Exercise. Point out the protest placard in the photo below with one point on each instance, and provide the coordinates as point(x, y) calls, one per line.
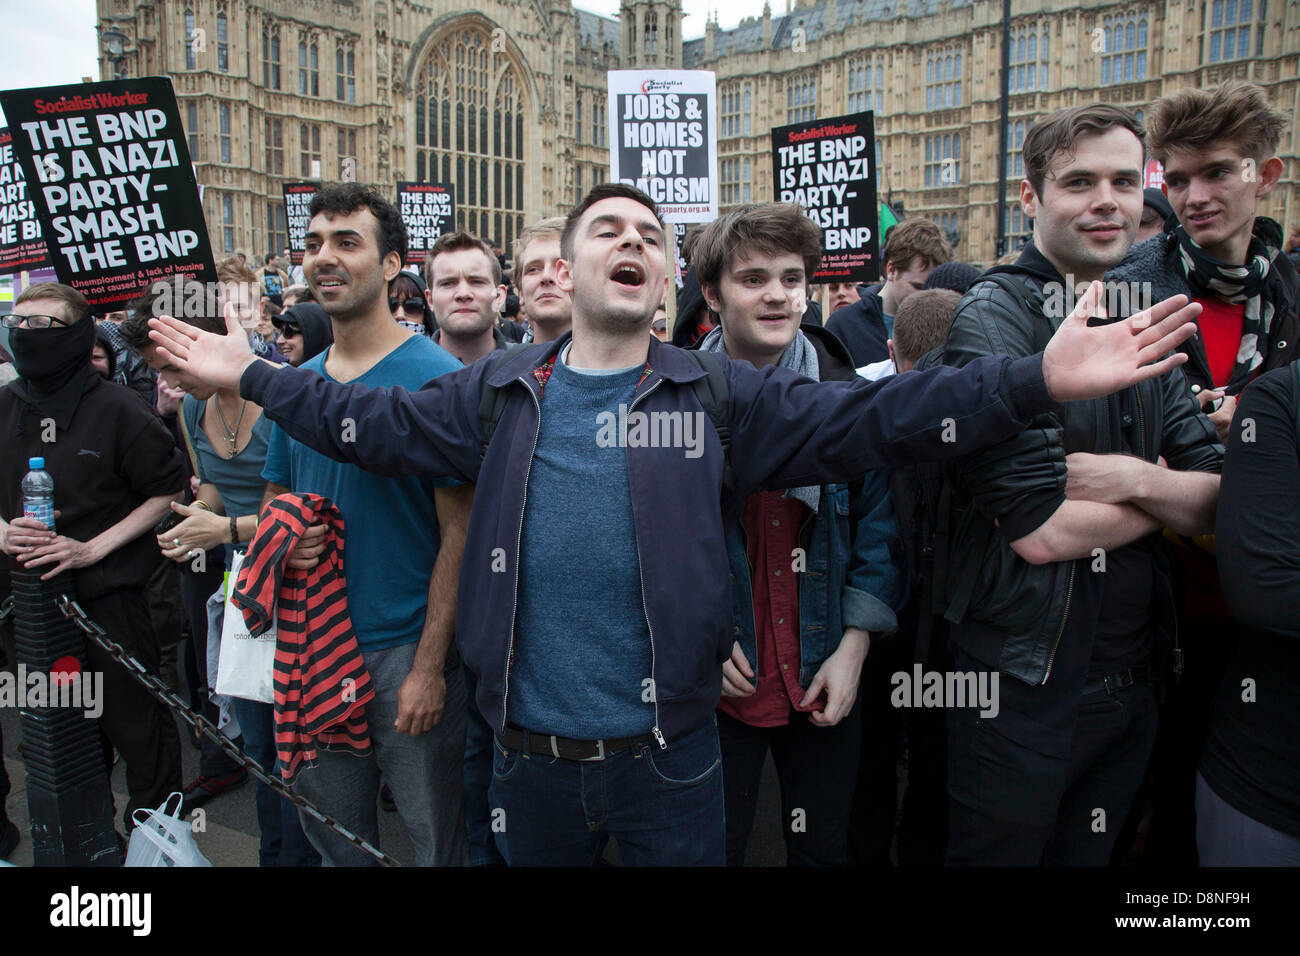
point(297, 200)
point(112, 184)
point(826, 166)
point(429, 210)
point(664, 139)
point(21, 245)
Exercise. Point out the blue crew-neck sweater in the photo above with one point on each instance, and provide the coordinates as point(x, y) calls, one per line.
point(582, 657)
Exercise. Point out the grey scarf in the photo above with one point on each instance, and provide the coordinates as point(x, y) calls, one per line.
point(801, 358)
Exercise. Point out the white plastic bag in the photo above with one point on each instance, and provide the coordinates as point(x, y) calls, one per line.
point(216, 608)
point(162, 838)
point(247, 663)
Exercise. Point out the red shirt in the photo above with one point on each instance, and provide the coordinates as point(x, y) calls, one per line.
point(772, 526)
point(1221, 324)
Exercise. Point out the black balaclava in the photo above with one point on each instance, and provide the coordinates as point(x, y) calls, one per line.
point(54, 368)
point(104, 340)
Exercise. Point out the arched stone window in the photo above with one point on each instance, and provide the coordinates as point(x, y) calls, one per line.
point(469, 117)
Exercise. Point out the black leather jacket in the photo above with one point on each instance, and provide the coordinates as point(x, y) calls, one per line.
point(1021, 482)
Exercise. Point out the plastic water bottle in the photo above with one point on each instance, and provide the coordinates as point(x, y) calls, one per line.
point(38, 493)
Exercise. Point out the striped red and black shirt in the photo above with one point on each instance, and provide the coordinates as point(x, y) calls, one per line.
point(320, 681)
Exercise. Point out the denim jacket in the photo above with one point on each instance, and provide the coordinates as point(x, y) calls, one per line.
point(850, 575)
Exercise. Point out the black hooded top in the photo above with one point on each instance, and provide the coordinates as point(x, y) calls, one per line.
point(110, 451)
point(313, 322)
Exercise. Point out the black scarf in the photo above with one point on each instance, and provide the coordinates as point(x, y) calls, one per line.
point(1247, 284)
point(54, 369)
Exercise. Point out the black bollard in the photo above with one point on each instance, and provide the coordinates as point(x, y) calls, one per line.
point(68, 795)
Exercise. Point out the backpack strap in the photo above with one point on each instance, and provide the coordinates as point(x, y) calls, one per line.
point(1012, 284)
point(715, 396)
point(1295, 370)
point(492, 403)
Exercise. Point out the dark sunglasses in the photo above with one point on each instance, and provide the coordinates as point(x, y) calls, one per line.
point(414, 304)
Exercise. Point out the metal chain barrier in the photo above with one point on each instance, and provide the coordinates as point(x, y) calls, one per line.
point(73, 611)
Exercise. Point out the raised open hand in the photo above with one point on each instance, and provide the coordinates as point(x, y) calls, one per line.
point(1083, 361)
point(217, 359)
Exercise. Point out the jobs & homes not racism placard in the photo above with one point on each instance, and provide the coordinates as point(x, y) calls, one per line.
point(664, 139)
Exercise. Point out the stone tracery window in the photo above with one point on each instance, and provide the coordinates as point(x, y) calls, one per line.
point(469, 130)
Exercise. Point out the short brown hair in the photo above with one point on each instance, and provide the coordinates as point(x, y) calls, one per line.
point(161, 296)
point(78, 307)
point(599, 193)
point(1234, 113)
point(915, 237)
point(455, 241)
point(770, 228)
point(551, 228)
point(1058, 132)
point(232, 270)
point(300, 293)
point(922, 322)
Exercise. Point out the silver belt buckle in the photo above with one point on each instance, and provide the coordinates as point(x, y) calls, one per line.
point(599, 755)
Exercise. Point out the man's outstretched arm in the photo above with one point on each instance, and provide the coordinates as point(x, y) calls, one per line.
point(434, 431)
point(789, 431)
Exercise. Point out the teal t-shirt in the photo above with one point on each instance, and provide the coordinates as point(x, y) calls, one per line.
point(391, 524)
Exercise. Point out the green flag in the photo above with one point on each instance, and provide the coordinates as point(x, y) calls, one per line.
point(887, 219)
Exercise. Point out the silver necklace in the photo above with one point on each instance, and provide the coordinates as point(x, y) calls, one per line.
point(232, 434)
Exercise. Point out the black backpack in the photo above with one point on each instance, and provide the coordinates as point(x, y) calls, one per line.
point(711, 391)
point(944, 537)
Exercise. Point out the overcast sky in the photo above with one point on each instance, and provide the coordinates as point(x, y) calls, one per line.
point(53, 41)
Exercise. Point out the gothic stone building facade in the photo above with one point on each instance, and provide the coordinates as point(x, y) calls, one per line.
point(507, 99)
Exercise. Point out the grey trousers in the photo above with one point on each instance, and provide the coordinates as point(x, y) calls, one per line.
point(1227, 837)
point(424, 773)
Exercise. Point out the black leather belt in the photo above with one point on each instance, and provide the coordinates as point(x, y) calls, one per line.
point(1137, 674)
point(548, 745)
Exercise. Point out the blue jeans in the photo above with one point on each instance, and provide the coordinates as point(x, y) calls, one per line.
point(665, 807)
point(478, 778)
point(283, 841)
point(424, 773)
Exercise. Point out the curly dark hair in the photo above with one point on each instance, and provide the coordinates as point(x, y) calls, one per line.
point(345, 198)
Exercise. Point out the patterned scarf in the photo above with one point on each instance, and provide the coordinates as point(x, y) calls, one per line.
point(799, 357)
point(1238, 284)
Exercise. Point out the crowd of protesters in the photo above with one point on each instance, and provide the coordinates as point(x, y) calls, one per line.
point(594, 578)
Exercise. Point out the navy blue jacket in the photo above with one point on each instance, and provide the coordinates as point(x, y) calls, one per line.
point(861, 327)
point(786, 430)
